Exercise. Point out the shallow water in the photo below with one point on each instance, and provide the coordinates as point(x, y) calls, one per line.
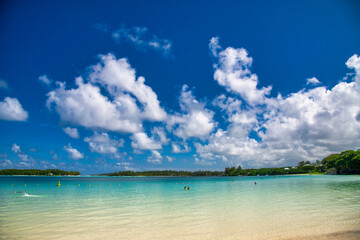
point(159, 207)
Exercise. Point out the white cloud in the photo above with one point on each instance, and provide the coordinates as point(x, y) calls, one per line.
point(117, 76)
point(177, 148)
point(25, 164)
point(159, 135)
point(155, 157)
point(354, 63)
point(127, 166)
point(312, 81)
point(232, 71)
point(103, 144)
point(23, 156)
point(113, 100)
point(196, 121)
point(86, 106)
point(45, 79)
point(202, 162)
point(307, 125)
point(139, 37)
point(141, 141)
point(15, 148)
point(11, 110)
point(5, 163)
point(4, 85)
point(72, 132)
point(73, 153)
point(170, 159)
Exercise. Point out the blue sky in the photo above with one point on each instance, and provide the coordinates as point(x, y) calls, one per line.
point(103, 86)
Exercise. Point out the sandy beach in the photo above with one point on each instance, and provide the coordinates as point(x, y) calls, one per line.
point(350, 235)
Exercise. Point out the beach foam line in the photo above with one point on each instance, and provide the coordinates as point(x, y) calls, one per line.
point(28, 195)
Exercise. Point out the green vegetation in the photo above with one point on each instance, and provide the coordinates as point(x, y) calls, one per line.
point(47, 172)
point(314, 168)
point(167, 173)
point(347, 162)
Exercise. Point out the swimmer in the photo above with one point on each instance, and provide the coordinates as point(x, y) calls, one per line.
point(255, 183)
point(185, 188)
point(188, 188)
point(19, 192)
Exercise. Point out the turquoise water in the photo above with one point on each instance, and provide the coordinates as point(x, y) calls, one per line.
point(159, 207)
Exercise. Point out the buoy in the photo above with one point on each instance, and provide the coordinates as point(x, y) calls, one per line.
point(25, 184)
point(119, 184)
point(233, 180)
point(58, 184)
point(12, 184)
point(110, 184)
point(89, 185)
point(38, 184)
point(79, 184)
point(100, 184)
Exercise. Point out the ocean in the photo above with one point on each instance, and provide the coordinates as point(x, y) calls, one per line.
point(89, 207)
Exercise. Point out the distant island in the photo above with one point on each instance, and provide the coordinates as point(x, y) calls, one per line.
point(347, 162)
point(38, 172)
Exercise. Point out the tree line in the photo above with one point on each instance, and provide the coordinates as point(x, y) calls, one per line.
point(167, 173)
point(47, 172)
point(347, 162)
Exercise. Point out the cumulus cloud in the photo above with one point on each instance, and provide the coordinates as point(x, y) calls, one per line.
point(11, 110)
point(141, 141)
point(195, 121)
point(232, 71)
point(312, 81)
point(112, 100)
point(306, 125)
point(73, 153)
point(155, 157)
point(127, 166)
point(177, 148)
point(25, 164)
point(354, 63)
point(72, 132)
point(140, 38)
point(86, 106)
point(5, 163)
point(118, 77)
point(159, 135)
point(15, 148)
point(45, 79)
point(103, 144)
point(23, 156)
point(203, 162)
point(170, 159)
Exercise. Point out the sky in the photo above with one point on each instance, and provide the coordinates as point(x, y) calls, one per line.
point(105, 86)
